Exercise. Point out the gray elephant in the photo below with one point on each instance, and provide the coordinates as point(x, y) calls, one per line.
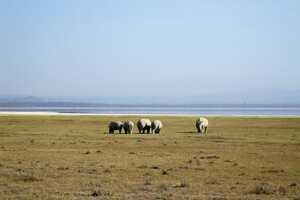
point(156, 126)
point(201, 125)
point(115, 125)
point(128, 127)
point(144, 124)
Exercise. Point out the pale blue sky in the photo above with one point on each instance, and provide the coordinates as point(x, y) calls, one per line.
point(169, 51)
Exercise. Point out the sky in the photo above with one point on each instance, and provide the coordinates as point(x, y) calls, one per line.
point(166, 51)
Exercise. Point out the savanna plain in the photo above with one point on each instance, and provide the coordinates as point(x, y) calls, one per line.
point(73, 157)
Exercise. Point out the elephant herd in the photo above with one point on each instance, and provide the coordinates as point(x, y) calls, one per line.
point(142, 125)
point(146, 125)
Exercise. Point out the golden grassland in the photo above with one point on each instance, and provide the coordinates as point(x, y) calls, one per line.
point(69, 157)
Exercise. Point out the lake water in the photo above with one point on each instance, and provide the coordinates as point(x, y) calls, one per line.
point(172, 110)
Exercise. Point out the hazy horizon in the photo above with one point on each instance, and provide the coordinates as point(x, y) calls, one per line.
point(19, 100)
point(152, 52)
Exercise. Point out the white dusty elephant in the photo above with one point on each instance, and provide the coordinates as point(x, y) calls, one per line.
point(144, 125)
point(156, 126)
point(201, 125)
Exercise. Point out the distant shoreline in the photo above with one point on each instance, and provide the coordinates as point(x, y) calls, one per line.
point(13, 113)
point(140, 110)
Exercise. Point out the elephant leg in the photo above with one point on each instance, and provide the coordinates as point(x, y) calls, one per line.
point(112, 131)
point(203, 129)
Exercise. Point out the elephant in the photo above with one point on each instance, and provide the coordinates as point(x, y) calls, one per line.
point(128, 127)
point(115, 125)
point(144, 124)
point(156, 126)
point(201, 125)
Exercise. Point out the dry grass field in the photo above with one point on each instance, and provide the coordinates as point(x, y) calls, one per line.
point(68, 157)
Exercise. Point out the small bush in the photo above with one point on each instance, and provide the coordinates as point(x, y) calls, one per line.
point(164, 172)
point(262, 189)
point(163, 187)
point(181, 184)
point(155, 167)
point(282, 190)
point(293, 184)
point(147, 182)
